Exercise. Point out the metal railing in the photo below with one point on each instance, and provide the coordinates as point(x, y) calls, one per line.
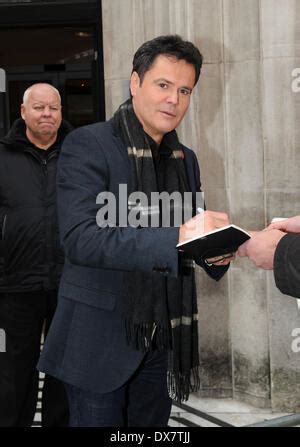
point(291, 420)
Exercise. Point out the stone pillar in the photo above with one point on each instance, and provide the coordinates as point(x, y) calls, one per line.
point(243, 125)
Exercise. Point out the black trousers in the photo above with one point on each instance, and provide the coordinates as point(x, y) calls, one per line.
point(143, 401)
point(23, 316)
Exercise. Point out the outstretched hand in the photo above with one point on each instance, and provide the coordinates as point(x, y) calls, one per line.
point(291, 225)
point(261, 247)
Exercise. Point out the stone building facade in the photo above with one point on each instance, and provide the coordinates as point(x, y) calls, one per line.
point(243, 125)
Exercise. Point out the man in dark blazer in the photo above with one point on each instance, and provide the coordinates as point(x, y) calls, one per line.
point(124, 337)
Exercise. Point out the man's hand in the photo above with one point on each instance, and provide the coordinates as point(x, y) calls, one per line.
point(221, 260)
point(261, 247)
point(291, 225)
point(203, 223)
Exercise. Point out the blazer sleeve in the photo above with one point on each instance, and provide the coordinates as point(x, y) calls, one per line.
point(287, 265)
point(83, 173)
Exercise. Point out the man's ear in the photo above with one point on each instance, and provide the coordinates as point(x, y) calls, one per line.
point(134, 83)
point(22, 109)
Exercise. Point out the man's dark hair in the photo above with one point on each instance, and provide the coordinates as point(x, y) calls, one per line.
point(170, 45)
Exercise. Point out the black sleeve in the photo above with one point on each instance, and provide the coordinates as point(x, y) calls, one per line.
point(287, 265)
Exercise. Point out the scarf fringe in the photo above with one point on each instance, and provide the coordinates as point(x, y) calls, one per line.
point(180, 386)
point(144, 337)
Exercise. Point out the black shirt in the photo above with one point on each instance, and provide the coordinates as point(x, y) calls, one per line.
point(160, 155)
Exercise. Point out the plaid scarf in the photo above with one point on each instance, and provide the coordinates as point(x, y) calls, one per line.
point(160, 312)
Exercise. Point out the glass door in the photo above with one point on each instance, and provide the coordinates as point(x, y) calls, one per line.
point(74, 85)
point(66, 57)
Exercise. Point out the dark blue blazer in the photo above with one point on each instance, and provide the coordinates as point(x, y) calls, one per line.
point(86, 345)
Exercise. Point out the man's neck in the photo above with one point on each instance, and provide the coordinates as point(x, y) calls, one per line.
point(157, 137)
point(42, 142)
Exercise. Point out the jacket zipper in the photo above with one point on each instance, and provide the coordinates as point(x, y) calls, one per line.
point(47, 253)
point(3, 228)
point(43, 161)
point(44, 164)
point(46, 160)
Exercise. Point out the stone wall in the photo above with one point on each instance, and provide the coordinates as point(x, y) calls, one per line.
point(243, 124)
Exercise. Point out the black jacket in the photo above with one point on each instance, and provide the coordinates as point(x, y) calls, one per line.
point(30, 255)
point(287, 265)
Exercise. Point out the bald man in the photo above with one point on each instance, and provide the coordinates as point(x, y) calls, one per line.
point(30, 256)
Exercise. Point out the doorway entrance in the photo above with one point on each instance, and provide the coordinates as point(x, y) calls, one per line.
point(67, 55)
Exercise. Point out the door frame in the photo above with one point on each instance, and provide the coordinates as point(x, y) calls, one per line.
point(39, 15)
point(56, 78)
